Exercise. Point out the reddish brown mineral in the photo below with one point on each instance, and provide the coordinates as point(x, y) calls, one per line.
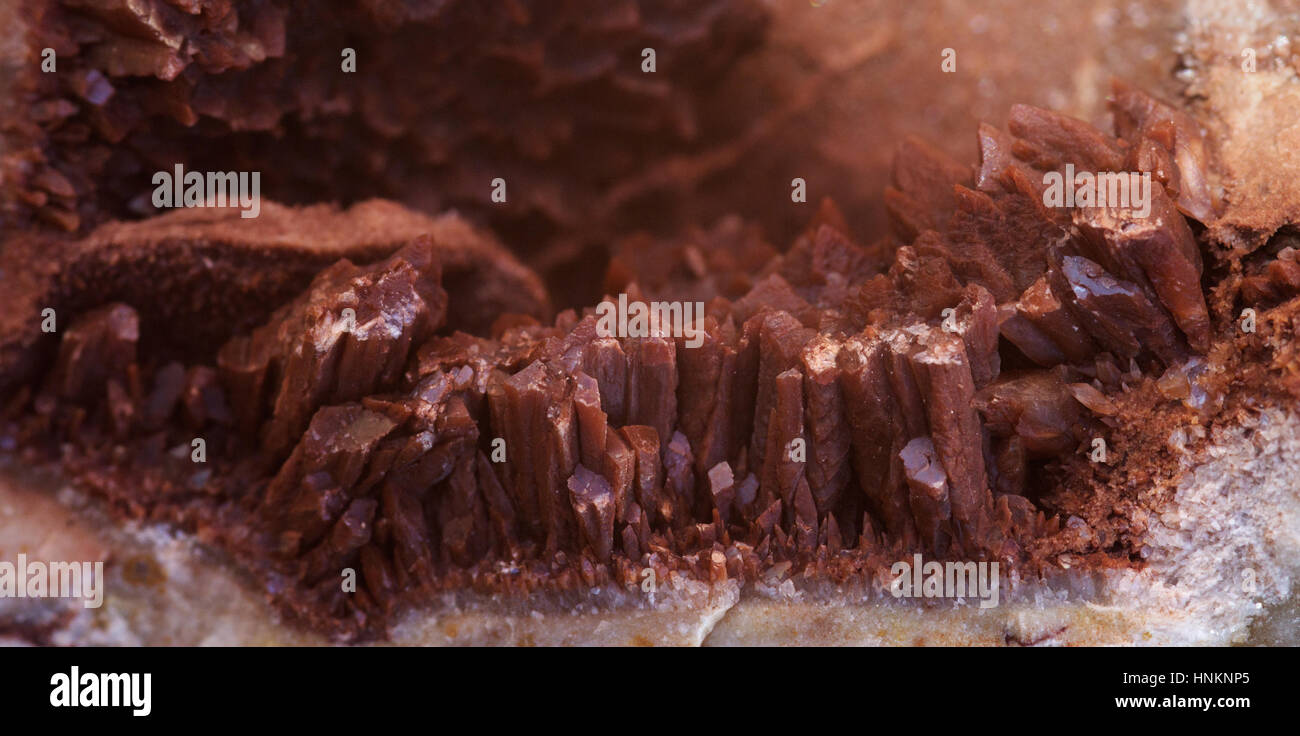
point(419, 417)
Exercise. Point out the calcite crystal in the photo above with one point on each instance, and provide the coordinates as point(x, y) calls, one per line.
point(847, 403)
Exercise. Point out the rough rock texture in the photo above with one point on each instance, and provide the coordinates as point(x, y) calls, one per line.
point(1249, 112)
point(261, 86)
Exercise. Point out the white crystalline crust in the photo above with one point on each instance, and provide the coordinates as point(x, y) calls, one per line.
point(1235, 516)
